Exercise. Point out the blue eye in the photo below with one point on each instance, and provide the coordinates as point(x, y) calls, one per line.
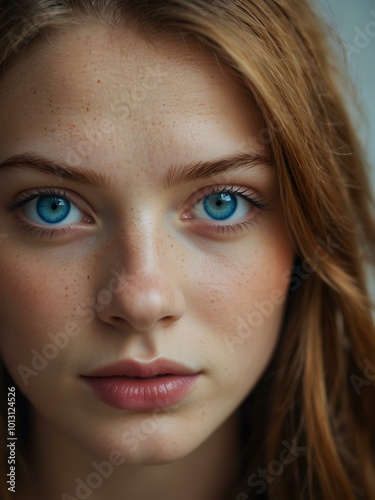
point(222, 206)
point(52, 209)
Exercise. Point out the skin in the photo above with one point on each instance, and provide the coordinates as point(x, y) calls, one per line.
point(191, 290)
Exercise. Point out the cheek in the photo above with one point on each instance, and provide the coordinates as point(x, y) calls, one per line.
point(242, 305)
point(37, 303)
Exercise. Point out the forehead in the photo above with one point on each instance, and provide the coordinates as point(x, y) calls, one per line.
point(167, 92)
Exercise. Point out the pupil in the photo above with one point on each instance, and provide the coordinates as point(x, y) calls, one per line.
point(53, 209)
point(220, 206)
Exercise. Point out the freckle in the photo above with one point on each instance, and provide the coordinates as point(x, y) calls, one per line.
point(88, 277)
point(98, 81)
point(87, 109)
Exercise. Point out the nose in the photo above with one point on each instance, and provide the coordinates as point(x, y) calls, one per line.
point(147, 288)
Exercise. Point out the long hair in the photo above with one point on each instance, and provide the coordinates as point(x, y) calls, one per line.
point(311, 416)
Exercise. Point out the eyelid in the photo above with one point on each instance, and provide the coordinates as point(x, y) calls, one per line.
point(231, 228)
point(246, 193)
point(66, 231)
point(27, 196)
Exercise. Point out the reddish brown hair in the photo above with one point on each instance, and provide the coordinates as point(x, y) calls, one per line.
point(311, 396)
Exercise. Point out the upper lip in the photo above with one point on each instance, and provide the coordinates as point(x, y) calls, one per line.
point(133, 368)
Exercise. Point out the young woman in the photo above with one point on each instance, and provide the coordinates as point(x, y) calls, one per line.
point(186, 230)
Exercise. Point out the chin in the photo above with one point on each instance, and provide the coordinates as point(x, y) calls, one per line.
point(153, 450)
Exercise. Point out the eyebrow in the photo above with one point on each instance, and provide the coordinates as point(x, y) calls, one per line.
point(176, 174)
point(205, 169)
point(44, 165)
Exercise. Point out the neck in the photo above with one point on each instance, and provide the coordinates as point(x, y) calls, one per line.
point(58, 466)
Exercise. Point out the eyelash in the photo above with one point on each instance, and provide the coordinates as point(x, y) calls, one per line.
point(27, 197)
point(260, 204)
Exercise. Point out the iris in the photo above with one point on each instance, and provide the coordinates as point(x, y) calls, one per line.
point(220, 206)
point(53, 209)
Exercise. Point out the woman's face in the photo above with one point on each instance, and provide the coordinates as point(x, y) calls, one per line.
point(125, 241)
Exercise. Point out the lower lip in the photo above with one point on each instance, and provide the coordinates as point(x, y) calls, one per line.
point(142, 394)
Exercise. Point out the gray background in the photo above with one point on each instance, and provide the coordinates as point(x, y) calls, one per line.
point(354, 22)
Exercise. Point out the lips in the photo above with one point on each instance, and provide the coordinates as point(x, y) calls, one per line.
point(131, 385)
point(134, 369)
